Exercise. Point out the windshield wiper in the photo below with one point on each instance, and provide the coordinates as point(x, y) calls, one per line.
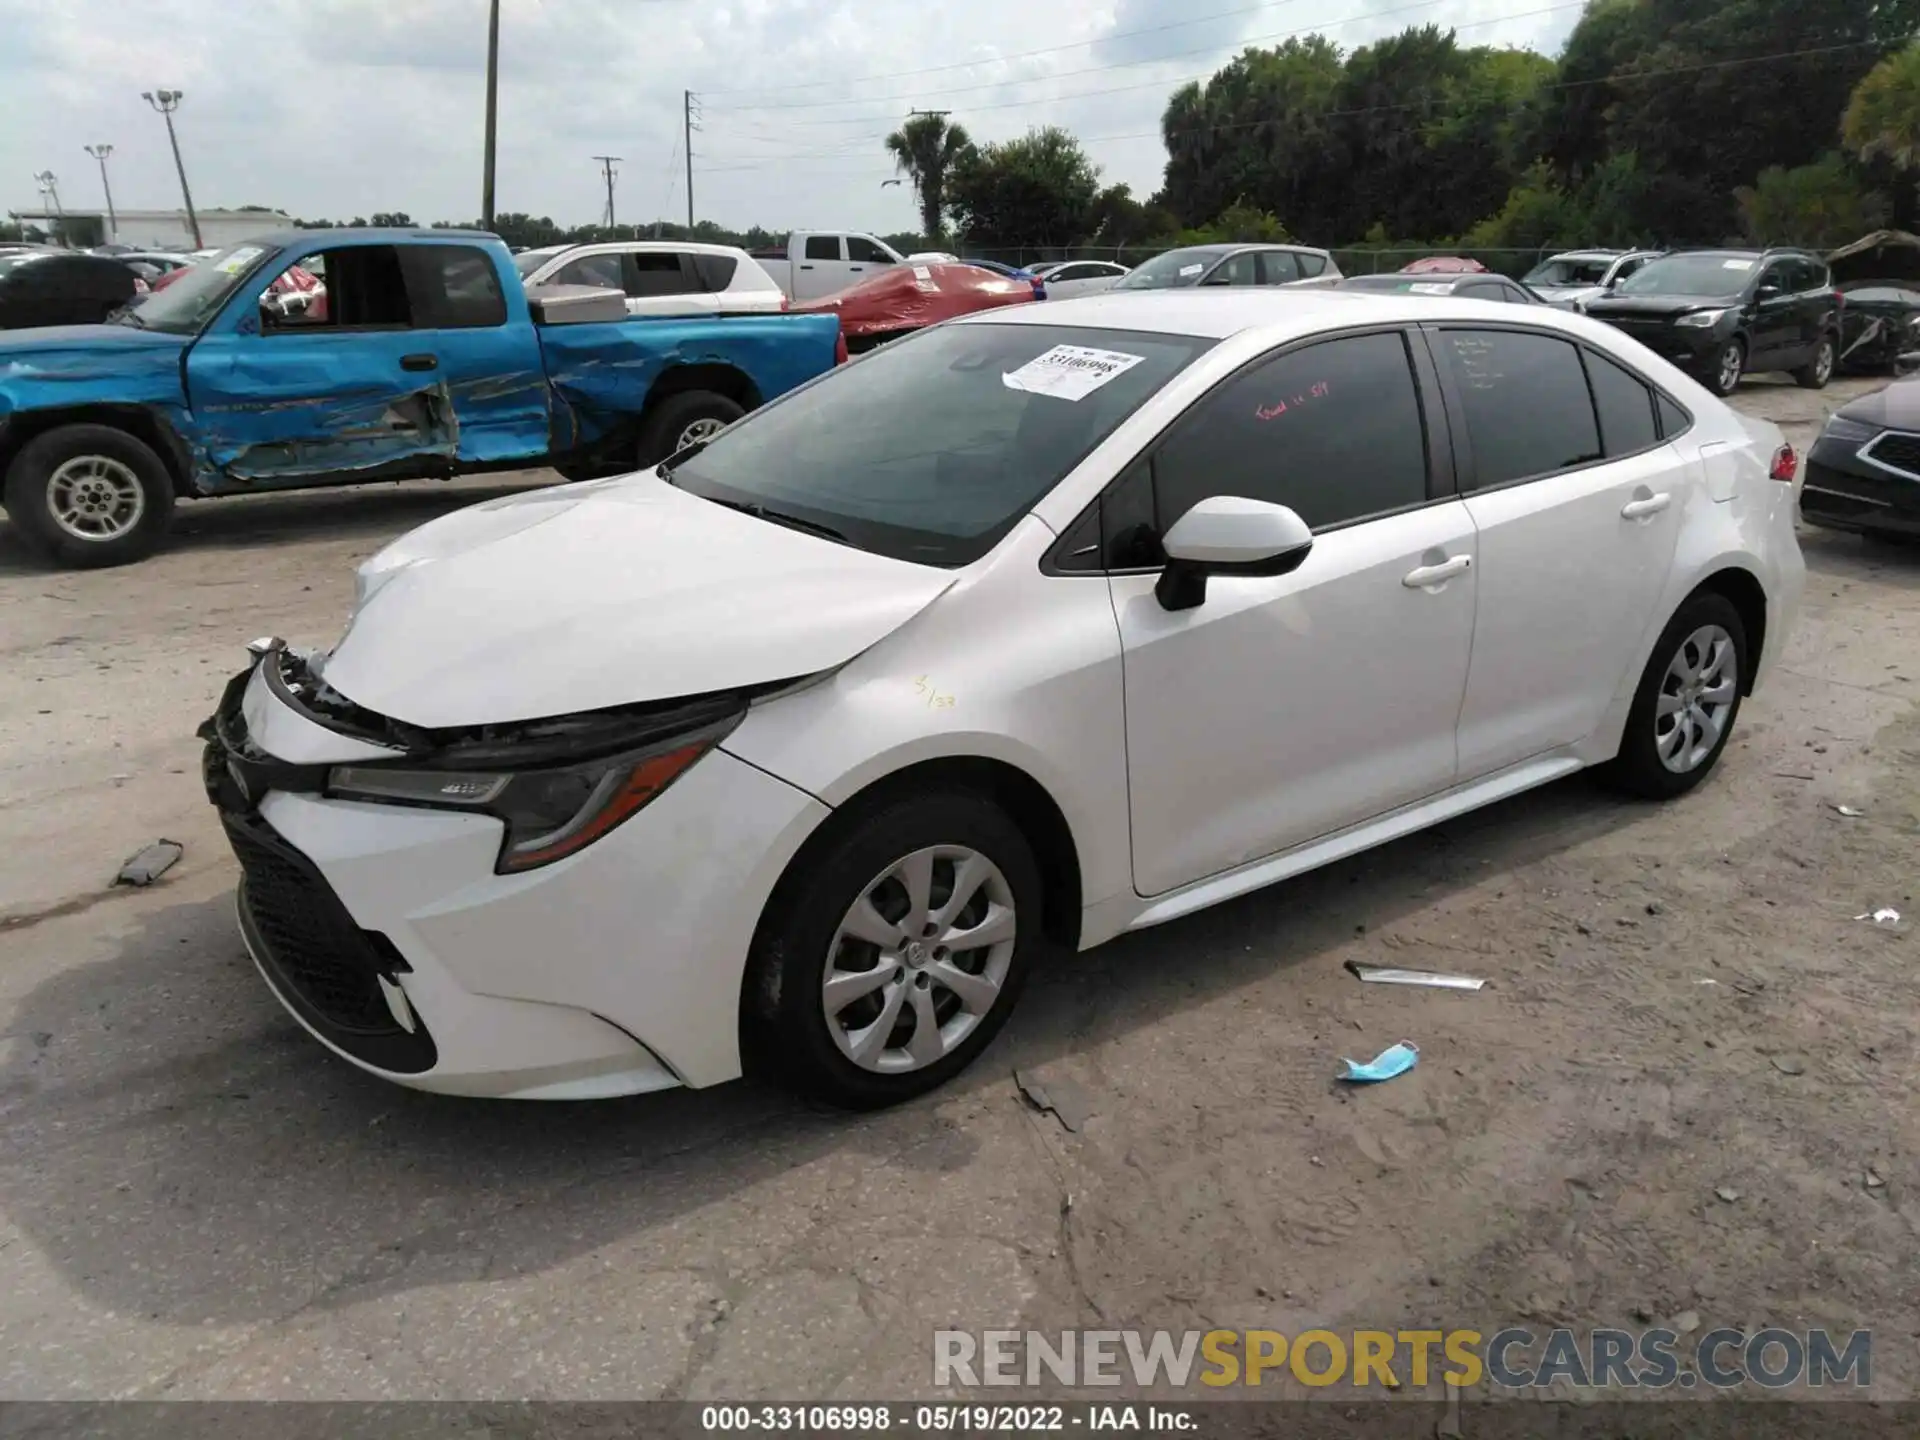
point(673, 462)
point(128, 316)
point(777, 517)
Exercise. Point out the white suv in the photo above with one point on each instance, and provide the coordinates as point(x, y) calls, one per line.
point(660, 277)
point(1034, 628)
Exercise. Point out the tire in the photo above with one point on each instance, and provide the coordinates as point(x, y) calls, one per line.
point(787, 1030)
point(1639, 767)
point(667, 429)
point(1729, 364)
point(81, 478)
point(1815, 374)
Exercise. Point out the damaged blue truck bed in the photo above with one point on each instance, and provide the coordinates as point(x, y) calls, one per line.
point(423, 357)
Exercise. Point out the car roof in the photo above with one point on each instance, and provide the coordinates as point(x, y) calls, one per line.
point(649, 247)
point(1281, 314)
point(1589, 255)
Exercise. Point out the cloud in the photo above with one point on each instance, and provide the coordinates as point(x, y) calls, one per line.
point(339, 108)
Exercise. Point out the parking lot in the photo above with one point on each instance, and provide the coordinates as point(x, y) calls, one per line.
point(1687, 1095)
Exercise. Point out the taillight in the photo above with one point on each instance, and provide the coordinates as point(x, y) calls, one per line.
point(785, 304)
point(1784, 465)
point(840, 355)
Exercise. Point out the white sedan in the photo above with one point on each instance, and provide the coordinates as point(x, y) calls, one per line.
point(1035, 628)
point(1067, 279)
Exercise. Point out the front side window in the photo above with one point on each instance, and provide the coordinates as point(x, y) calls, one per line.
point(1333, 431)
point(863, 251)
point(1241, 269)
point(601, 271)
point(365, 288)
point(933, 448)
point(1528, 410)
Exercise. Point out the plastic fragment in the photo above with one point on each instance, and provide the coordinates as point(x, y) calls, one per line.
point(1392, 1061)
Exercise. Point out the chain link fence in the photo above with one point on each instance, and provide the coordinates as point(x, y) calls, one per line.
point(1513, 262)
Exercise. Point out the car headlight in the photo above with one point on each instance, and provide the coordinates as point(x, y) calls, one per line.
point(1853, 432)
point(549, 812)
point(1700, 319)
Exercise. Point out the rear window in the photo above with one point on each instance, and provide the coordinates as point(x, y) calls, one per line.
point(823, 247)
point(933, 448)
point(1310, 265)
point(656, 272)
point(715, 271)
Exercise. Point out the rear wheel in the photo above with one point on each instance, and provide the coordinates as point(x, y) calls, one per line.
point(682, 420)
point(1815, 374)
point(1689, 695)
point(89, 495)
point(1728, 365)
point(890, 958)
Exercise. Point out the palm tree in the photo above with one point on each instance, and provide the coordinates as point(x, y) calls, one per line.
point(1883, 118)
point(924, 150)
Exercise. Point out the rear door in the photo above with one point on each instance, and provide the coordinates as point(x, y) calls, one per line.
point(665, 282)
point(1577, 503)
point(1278, 267)
point(487, 362)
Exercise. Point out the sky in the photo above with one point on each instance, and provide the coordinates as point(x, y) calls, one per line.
point(337, 108)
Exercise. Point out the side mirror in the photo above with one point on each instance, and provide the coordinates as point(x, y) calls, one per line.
point(1228, 535)
point(1907, 365)
point(1767, 292)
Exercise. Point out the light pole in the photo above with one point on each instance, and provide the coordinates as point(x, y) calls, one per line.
point(49, 184)
point(166, 102)
point(100, 153)
point(493, 110)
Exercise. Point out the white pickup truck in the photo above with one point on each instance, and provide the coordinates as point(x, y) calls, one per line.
point(819, 262)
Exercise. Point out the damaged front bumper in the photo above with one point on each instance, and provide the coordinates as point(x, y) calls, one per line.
point(389, 933)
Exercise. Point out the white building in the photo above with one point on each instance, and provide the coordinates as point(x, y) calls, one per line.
point(154, 229)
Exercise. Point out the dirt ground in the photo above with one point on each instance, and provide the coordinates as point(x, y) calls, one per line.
point(1690, 1068)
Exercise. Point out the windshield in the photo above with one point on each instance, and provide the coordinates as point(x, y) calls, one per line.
point(931, 449)
point(528, 261)
point(192, 300)
point(1176, 267)
point(1567, 271)
point(1714, 275)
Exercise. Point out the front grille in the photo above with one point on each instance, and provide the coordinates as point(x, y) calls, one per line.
point(311, 941)
point(1896, 451)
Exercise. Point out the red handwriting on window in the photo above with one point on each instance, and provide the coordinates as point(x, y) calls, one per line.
point(1280, 407)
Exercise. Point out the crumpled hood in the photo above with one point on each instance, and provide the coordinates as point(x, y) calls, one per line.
point(1656, 307)
point(614, 592)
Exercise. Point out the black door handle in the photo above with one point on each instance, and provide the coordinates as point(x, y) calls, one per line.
point(806, 267)
point(419, 362)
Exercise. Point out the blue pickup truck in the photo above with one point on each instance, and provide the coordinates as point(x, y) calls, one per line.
point(422, 356)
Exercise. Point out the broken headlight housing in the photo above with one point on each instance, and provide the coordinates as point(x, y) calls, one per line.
point(550, 811)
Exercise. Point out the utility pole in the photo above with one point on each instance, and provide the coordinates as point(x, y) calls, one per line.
point(607, 162)
point(49, 184)
point(100, 153)
point(493, 112)
point(687, 116)
point(166, 102)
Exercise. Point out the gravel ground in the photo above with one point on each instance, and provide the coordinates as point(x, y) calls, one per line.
point(1690, 1086)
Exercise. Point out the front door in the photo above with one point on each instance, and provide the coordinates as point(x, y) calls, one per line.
point(1284, 708)
point(1578, 502)
point(1776, 322)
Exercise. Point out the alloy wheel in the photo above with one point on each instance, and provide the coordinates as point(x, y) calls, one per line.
point(1696, 698)
point(1823, 363)
point(919, 959)
point(95, 498)
point(697, 430)
point(1729, 368)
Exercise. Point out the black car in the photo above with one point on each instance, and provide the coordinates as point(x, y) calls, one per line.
point(1721, 314)
point(1879, 322)
point(1863, 473)
point(37, 288)
point(1464, 287)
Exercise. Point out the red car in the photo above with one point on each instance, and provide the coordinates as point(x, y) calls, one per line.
point(903, 298)
point(1444, 265)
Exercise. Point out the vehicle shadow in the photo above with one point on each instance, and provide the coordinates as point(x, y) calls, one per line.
point(240, 522)
point(180, 1151)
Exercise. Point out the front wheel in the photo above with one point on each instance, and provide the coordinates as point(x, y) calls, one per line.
point(1683, 712)
point(682, 420)
point(1728, 364)
point(88, 496)
point(889, 959)
point(1815, 374)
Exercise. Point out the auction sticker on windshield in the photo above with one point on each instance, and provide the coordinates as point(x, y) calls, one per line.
point(1186, 270)
point(1737, 264)
point(1069, 372)
point(240, 259)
